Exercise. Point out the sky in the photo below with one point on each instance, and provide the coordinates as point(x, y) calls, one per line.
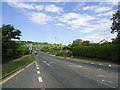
point(60, 22)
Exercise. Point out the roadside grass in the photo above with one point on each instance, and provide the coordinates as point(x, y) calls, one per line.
point(95, 59)
point(18, 64)
point(90, 59)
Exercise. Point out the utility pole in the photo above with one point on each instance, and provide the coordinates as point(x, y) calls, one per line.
point(107, 39)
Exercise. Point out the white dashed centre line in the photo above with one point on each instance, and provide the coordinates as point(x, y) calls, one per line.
point(40, 79)
point(37, 67)
point(110, 65)
point(47, 64)
point(44, 61)
point(38, 72)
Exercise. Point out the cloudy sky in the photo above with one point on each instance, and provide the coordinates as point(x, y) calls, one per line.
point(61, 22)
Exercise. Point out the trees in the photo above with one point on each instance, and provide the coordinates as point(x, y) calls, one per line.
point(85, 43)
point(77, 41)
point(116, 22)
point(9, 33)
point(11, 48)
point(116, 26)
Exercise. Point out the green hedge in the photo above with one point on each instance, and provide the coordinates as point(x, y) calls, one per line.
point(107, 52)
point(12, 50)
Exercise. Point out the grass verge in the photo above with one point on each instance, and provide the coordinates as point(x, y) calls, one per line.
point(91, 59)
point(94, 59)
point(18, 64)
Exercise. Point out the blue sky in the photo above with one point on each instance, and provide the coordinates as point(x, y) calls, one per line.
point(61, 22)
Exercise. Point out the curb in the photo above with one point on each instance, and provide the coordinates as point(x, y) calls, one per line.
point(15, 70)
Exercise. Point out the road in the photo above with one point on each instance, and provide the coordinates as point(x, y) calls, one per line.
point(54, 72)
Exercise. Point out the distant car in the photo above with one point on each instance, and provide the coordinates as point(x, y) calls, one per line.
point(48, 52)
point(35, 52)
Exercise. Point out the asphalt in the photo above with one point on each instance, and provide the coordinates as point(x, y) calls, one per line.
point(54, 72)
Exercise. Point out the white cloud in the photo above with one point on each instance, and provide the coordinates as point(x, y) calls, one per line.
point(75, 20)
point(39, 18)
point(97, 9)
point(39, 7)
point(103, 9)
point(53, 9)
point(89, 7)
point(112, 2)
point(106, 13)
point(97, 37)
point(59, 24)
point(102, 25)
point(21, 5)
point(49, 8)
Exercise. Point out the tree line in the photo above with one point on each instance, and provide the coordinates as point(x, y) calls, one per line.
point(13, 48)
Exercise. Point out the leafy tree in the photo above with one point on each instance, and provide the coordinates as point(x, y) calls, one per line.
point(10, 48)
point(116, 26)
point(85, 43)
point(116, 22)
point(9, 33)
point(77, 41)
point(66, 48)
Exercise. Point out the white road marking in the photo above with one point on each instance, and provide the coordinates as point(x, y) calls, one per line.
point(40, 79)
point(110, 81)
point(44, 61)
point(38, 72)
point(51, 62)
point(97, 80)
point(103, 80)
point(47, 64)
point(106, 76)
point(37, 67)
point(100, 75)
point(75, 66)
point(110, 65)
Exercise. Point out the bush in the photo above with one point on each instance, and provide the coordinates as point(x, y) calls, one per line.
point(107, 51)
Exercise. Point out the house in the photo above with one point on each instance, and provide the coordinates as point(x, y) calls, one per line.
point(66, 53)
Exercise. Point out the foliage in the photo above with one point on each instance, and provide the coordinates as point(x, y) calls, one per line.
point(9, 33)
point(85, 43)
point(66, 48)
point(77, 42)
point(18, 64)
point(107, 51)
point(11, 49)
point(116, 22)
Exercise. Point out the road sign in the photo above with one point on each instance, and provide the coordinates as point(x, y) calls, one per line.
point(30, 46)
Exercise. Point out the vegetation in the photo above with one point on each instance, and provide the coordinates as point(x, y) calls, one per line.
point(10, 47)
point(116, 22)
point(106, 52)
point(18, 64)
